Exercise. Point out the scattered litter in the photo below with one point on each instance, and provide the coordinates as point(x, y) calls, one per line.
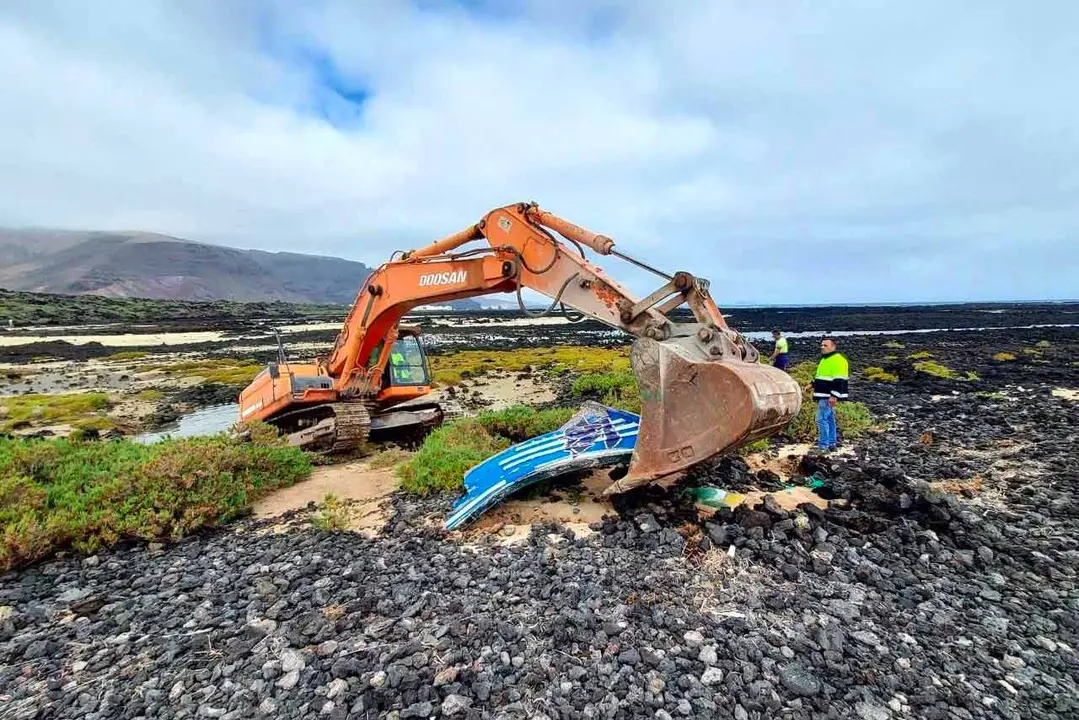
point(717, 497)
point(792, 495)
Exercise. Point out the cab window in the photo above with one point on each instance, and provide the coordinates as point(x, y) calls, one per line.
point(407, 365)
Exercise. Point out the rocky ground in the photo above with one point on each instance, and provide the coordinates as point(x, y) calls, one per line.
point(940, 583)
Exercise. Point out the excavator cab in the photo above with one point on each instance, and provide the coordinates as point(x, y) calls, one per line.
point(407, 373)
point(407, 365)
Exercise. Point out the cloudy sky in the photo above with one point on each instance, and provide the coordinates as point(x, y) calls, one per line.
point(802, 152)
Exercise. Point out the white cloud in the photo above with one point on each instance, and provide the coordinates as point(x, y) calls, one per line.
point(790, 153)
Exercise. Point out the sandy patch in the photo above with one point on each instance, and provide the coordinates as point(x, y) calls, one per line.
point(362, 501)
point(1067, 394)
point(783, 461)
point(125, 340)
point(367, 518)
point(511, 521)
point(152, 338)
point(351, 481)
point(504, 389)
point(135, 408)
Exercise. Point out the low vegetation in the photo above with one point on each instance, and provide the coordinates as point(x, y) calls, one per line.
point(446, 378)
point(879, 374)
point(388, 458)
point(520, 422)
point(452, 450)
point(20, 411)
point(127, 355)
point(894, 345)
point(58, 494)
point(332, 515)
point(224, 371)
point(601, 383)
point(923, 355)
point(451, 368)
point(447, 454)
point(992, 395)
point(943, 371)
point(803, 372)
point(755, 447)
point(617, 389)
point(1004, 357)
point(853, 420)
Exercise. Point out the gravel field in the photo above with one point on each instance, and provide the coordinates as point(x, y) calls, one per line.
point(941, 583)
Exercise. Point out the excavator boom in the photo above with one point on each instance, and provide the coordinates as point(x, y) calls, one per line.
point(703, 390)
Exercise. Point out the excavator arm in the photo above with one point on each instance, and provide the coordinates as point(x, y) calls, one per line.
point(703, 390)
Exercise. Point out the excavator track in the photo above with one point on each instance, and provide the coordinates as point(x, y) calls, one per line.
point(408, 425)
point(329, 428)
point(353, 425)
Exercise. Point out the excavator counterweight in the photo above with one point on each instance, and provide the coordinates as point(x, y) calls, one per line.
point(703, 390)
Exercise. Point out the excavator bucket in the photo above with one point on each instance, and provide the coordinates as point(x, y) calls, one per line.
point(695, 406)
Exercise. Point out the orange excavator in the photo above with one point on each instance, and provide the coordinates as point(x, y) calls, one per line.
point(703, 390)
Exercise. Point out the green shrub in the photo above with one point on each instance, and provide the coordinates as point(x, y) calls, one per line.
point(894, 344)
point(127, 355)
point(600, 383)
point(333, 515)
point(618, 389)
point(879, 374)
point(921, 355)
point(936, 370)
point(521, 422)
point(755, 447)
point(447, 454)
point(263, 433)
point(1004, 357)
point(626, 398)
point(803, 372)
point(56, 494)
point(852, 419)
point(95, 424)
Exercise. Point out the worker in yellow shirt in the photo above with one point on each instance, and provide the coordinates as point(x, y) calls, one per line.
point(830, 386)
point(779, 356)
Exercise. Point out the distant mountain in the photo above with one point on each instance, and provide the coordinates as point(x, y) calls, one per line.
point(162, 267)
point(149, 265)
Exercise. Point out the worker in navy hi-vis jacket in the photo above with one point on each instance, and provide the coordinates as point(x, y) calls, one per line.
point(829, 387)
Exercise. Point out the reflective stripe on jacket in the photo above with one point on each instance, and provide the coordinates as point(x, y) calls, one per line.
point(831, 379)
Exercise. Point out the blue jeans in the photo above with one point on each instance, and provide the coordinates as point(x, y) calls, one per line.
point(826, 429)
